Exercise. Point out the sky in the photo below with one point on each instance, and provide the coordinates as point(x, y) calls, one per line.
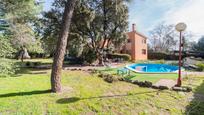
point(146, 14)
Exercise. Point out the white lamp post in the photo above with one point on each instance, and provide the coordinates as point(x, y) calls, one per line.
point(180, 27)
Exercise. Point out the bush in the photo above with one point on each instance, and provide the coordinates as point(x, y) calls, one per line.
point(110, 78)
point(162, 56)
point(6, 49)
point(157, 55)
point(37, 55)
point(89, 56)
point(73, 60)
point(124, 57)
point(160, 62)
point(32, 64)
point(200, 66)
point(7, 67)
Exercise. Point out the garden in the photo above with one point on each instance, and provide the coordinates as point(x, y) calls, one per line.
point(28, 92)
point(72, 59)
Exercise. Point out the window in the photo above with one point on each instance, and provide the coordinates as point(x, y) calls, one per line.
point(144, 51)
point(128, 40)
point(144, 41)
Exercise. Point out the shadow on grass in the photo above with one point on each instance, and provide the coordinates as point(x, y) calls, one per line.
point(25, 93)
point(196, 106)
point(75, 99)
point(29, 71)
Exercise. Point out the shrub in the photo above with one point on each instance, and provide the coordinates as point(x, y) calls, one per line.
point(157, 55)
point(28, 64)
point(160, 62)
point(73, 60)
point(88, 56)
point(7, 67)
point(124, 57)
point(200, 66)
point(110, 78)
point(36, 64)
point(162, 56)
point(6, 49)
point(32, 64)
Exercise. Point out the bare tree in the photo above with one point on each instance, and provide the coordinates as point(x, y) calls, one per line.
point(163, 38)
point(61, 46)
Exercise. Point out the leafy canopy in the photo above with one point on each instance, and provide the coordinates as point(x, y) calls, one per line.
point(93, 24)
point(18, 17)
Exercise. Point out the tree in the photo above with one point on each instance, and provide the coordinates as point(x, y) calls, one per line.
point(187, 40)
point(61, 46)
point(103, 25)
point(163, 38)
point(96, 25)
point(199, 45)
point(18, 17)
point(6, 48)
point(3, 25)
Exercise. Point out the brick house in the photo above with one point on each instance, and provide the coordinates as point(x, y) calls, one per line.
point(136, 45)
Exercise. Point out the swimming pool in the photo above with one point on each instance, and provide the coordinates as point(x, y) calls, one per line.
point(152, 68)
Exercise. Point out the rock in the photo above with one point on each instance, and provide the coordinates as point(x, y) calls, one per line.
point(100, 75)
point(187, 89)
point(141, 84)
point(148, 84)
point(184, 89)
point(128, 80)
point(155, 87)
point(163, 87)
point(121, 79)
point(74, 69)
point(89, 70)
point(177, 88)
point(135, 82)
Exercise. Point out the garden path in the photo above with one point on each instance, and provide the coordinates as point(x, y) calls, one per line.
point(166, 82)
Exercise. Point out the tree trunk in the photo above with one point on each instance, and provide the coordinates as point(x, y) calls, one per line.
point(61, 46)
point(100, 53)
point(100, 60)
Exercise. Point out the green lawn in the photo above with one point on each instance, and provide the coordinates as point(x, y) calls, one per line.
point(47, 60)
point(143, 77)
point(84, 93)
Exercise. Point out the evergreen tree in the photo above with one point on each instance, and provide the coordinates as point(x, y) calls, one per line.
point(96, 24)
point(61, 46)
point(19, 17)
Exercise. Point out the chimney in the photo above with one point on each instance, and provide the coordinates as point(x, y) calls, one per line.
point(133, 27)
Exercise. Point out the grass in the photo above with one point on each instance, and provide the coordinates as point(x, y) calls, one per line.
point(47, 60)
point(143, 77)
point(85, 93)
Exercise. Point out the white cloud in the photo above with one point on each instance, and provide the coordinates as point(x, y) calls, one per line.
point(192, 13)
point(148, 13)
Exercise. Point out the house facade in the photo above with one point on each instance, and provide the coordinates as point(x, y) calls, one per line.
point(136, 45)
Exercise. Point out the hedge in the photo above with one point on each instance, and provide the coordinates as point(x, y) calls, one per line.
point(164, 56)
point(124, 57)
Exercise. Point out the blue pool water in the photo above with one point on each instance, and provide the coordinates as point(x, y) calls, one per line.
point(153, 68)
